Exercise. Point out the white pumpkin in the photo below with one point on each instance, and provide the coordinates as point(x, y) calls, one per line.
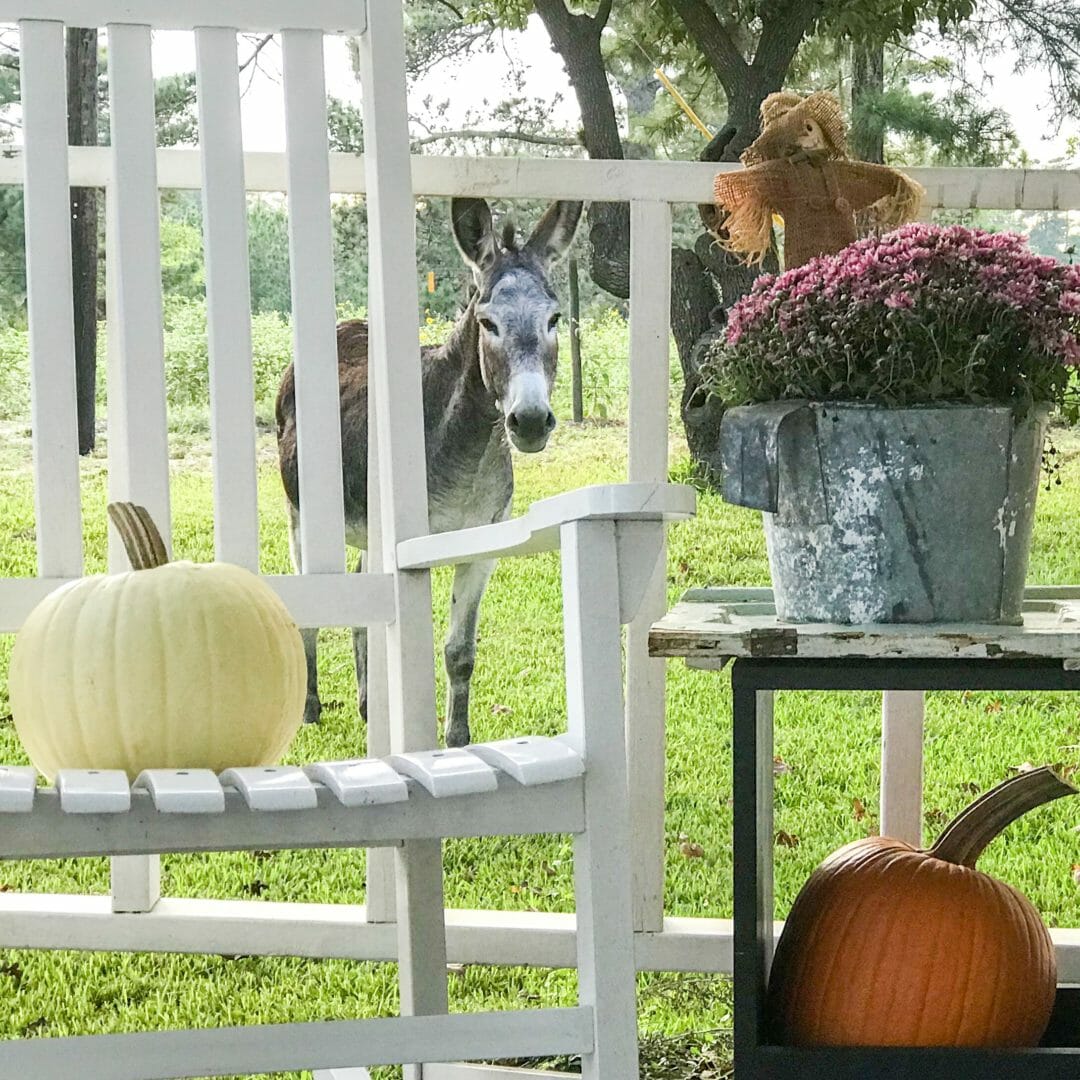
point(183, 665)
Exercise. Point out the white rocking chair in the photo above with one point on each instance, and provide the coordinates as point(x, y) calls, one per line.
point(412, 796)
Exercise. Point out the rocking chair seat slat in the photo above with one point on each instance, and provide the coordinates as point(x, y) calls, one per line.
point(532, 760)
point(17, 786)
point(367, 782)
point(182, 791)
point(445, 773)
point(93, 791)
point(273, 787)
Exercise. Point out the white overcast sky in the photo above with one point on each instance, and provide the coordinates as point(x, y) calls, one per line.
point(485, 76)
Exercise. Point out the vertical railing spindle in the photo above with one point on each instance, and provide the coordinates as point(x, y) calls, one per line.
point(311, 251)
point(54, 422)
point(228, 300)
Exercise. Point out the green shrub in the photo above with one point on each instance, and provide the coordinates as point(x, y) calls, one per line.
point(187, 371)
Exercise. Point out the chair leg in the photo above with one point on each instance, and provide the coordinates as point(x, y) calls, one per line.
point(603, 868)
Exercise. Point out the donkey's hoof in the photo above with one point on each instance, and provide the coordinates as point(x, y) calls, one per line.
point(312, 711)
point(457, 737)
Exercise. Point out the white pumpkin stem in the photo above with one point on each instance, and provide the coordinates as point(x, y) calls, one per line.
point(967, 835)
point(142, 541)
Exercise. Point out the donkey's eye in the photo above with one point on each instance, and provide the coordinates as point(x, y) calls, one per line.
point(488, 325)
point(554, 320)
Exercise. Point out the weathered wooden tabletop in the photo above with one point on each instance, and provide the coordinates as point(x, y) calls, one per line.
point(708, 627)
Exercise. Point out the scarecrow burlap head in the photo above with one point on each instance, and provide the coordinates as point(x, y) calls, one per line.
point(798, 167)
point(794, 126)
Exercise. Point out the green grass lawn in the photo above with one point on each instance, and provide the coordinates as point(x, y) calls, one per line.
point(826, 796)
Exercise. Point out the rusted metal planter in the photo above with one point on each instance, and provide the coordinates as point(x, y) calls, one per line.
point(889, 515)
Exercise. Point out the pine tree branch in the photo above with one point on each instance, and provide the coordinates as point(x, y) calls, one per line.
point(520, 136)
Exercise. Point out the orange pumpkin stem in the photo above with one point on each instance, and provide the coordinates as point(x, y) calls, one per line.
point(967, 835)
point(142, 541)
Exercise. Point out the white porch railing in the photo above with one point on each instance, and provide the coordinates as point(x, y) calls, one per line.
point(652, 189)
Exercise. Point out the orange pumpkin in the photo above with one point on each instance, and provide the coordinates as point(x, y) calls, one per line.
point(890, 945)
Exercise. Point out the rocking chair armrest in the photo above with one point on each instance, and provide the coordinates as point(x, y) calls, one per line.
point(538, 528)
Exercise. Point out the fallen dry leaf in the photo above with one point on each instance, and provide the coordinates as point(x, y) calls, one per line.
point(858, 808)
point(1076, 873)
point(780, 766)
point(993, 706)
point(1023, 767)
point(691, 850)
point(785, 839)
point(501, 710)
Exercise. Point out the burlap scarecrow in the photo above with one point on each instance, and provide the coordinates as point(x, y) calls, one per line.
point(799, 168)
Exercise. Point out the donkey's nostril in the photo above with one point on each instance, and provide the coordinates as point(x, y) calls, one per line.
point(530, 425)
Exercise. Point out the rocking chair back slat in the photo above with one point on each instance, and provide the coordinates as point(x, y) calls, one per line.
point(138, 429)
point(318, 414)
point(49, 298)
point(228, 300)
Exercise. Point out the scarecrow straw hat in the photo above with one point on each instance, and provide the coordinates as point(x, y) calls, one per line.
point(784, 120)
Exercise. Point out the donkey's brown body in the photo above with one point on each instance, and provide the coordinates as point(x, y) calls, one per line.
point(470, 476)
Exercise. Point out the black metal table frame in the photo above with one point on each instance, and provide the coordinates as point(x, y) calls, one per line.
point(753, 683)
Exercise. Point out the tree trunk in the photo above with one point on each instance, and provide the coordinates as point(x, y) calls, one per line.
point(703, 280)
point(577, 40)
point(867, 86)
point(82, 56)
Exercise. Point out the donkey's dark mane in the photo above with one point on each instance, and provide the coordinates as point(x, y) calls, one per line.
point(509, 235)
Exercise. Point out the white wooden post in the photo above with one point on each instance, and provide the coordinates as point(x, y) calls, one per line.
point(138, 426)
point(902, 722)
point(607, 979)
point(903, 715)
point(650, 303)
point(54, 422)
point(228, 300)
point(394, 366)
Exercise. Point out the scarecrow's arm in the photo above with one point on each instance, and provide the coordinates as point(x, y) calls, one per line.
point(863, 183)
point(749, 197)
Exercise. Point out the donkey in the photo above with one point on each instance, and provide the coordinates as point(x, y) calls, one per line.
point(487, 387)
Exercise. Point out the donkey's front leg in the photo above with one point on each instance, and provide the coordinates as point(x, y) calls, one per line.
point(460, 652)
point(359, 646)
point(310, 634)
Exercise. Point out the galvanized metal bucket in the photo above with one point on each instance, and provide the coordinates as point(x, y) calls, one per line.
point(889, 515)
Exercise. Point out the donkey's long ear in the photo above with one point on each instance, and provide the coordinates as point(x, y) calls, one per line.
point(554, 232)
point(473, 232)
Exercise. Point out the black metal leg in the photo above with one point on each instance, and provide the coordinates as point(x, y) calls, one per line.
point(752, 790)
